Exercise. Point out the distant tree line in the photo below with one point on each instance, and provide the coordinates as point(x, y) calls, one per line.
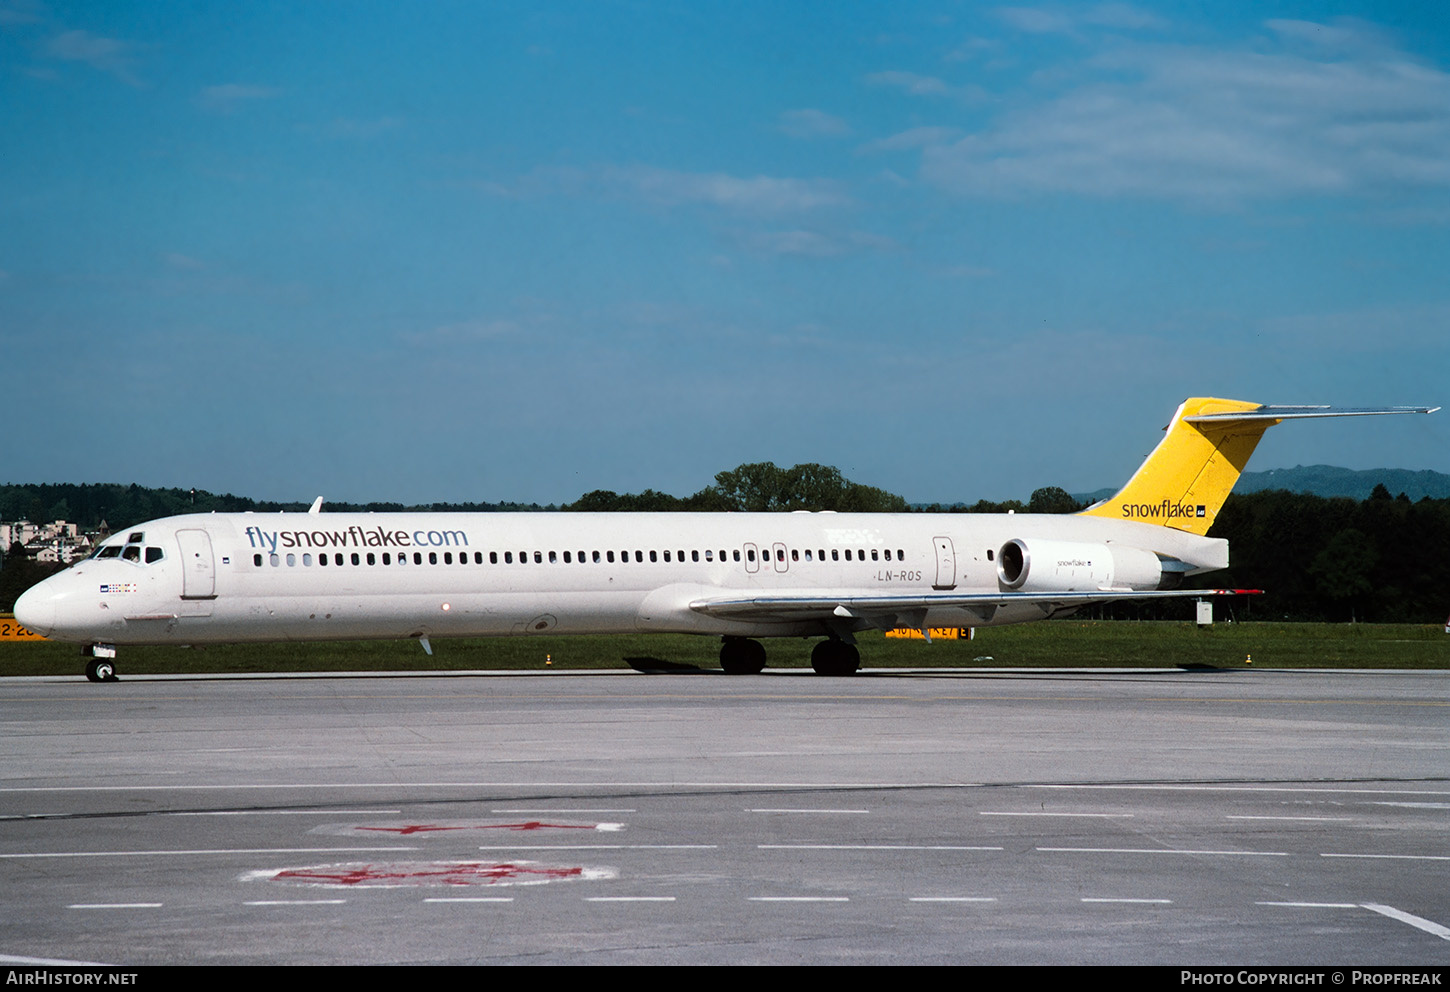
point(120, 506)
point(760, 487)
point(1383, 559)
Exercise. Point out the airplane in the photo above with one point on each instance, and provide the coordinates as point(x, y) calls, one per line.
point(250, 577)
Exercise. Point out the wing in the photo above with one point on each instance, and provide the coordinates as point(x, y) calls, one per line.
point(886, 612)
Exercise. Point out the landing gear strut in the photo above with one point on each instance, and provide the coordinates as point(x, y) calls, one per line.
point(741, 656)
point(833, 657)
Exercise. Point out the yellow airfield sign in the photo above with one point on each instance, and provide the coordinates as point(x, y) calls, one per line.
point(12, 631)
point(945, 633)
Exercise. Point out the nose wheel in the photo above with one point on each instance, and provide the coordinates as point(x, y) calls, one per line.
point(101, 670)
point(100, 662)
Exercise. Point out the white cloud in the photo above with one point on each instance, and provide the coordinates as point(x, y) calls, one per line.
point(1034, 20)
point(671, 188)
point(464, 331)
point(808, 123)
point(21, 12)
point(1070, 20)
point(104, 54)
point(1201, 123)
point(916, 137)
point(229, 97)
point(816, 244)
point(911, 82)
point(915, 84)
point(350, 128)
point(177, 260)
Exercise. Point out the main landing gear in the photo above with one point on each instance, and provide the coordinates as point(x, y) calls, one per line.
point(833, 657)
point(743, 656)
point(100, 663)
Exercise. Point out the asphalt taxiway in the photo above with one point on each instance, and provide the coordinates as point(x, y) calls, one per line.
point(1145, 817)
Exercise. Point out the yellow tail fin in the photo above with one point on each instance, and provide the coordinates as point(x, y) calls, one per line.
point(1184, 482)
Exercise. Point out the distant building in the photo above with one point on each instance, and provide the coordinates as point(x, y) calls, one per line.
point(55, 542)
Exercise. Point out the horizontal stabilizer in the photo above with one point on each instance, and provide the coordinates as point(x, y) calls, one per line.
point(1304, 412)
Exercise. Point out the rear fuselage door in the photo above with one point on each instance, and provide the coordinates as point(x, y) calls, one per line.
point(946, 564)
point(198, 570)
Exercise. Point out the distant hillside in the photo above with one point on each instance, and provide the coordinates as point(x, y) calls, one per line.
point(1329, 481)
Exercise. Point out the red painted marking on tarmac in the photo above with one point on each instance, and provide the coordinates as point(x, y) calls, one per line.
point(412, 829)
point(462, 873)
point(536, 825)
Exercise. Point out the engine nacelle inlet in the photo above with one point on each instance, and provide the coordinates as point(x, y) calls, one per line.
point(1069, 566)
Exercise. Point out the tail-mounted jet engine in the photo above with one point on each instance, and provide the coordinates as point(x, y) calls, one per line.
point(1067, 566)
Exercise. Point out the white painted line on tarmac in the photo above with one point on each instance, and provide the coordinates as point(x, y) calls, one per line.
point(630, 899)
point(295, 902)
point(1414, 805)
point(1392, 857)
point(1419, 922)
point(208, 851)
point(1306, 819)
point(810, 811)
point(626, 784)
point(1156, 902)
point(470, 899)
point(114, 905)
point(1249, 788)
point(600, 847)
point(557, 810)
point(800, 899)
point(285, 812)
point(871, 847)
point(53, 962)
point(1094, 815)
point(953, 898)
point(1161, 850)
point(1312, 905)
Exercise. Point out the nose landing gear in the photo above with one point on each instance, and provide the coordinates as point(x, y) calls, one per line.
point(100, 663)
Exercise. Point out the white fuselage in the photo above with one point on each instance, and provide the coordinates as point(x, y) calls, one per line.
point(218, 578)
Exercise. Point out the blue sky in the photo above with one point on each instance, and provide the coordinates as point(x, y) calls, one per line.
point(520, 251)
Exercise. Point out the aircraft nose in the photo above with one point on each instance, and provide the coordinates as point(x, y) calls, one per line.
point(35, 610)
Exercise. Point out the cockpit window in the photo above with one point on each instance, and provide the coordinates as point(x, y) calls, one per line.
point(154, 554)
point(132, 553)
point(136, 538)
point(109, 551)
